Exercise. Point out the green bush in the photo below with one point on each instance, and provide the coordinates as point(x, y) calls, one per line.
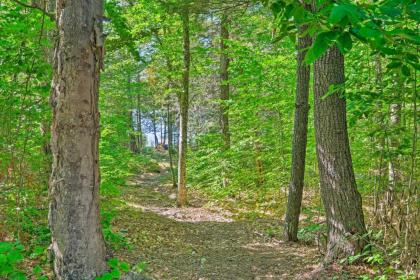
point(11, 253)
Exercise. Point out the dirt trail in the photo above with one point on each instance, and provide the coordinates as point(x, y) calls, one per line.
point(200, 243)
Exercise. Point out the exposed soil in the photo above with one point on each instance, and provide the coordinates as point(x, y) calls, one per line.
point(200, 242)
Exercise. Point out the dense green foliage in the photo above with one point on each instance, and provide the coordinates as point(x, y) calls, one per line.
point(143, 73)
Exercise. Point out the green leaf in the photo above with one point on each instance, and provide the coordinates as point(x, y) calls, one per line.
point(5, 247)
point(344, 11)
point(124, 266)
point(298, 13)
point(390, 11)
point(322, 42)
point(37, 270)
point(415, 65)
point(370, 33)
point(394, 64)
point(405, 70)
point(412, 57)
point(17, 275)
point(3, 260)
point(338, 13)
point(105, 276)
point(14, 257)
point(344, 43)
point(113, 263)
point(406, 34)
point(414, 11)
point(333, 89)
point(115, 273)
point(37, 252)
point(277, 7)
point(388, 51)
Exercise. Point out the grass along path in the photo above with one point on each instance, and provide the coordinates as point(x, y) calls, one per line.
point(204, 243)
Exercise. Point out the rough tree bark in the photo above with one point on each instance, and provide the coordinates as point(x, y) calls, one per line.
point(342, 201)
point(294, 200)
point(183, 105)
point(78, 247)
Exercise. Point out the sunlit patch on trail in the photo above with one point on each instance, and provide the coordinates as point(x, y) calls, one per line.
point(187, 214)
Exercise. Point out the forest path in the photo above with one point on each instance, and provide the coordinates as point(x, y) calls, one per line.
point(202, 243)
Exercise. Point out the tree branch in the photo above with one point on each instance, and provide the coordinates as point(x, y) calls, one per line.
point(36, 7)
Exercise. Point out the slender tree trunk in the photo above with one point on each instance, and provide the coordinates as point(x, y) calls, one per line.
point(170, 121)
point(342, 201)
point(259, 182)
point(390, 199)
point(161, 131)
point(139, 128)
point(294, 200)
point(131, 121)
point(393, 164)
point(387, 204)
point(164, 127)
point(154, 128)
point(183, 105)
point(51, 35)
point(78, 247)
point(132, 136)
point(380, 140)
point(46, 146)
point(410, 253)
point(224, 91)
point(171, 146)
point(224, 80)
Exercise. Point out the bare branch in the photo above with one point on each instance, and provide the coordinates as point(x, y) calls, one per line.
point(36, 7)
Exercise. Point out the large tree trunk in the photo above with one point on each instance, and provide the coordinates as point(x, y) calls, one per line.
point(183, 105)
point(342, 201)
point(77, 248)
point(224, 90)
point(294, 200)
